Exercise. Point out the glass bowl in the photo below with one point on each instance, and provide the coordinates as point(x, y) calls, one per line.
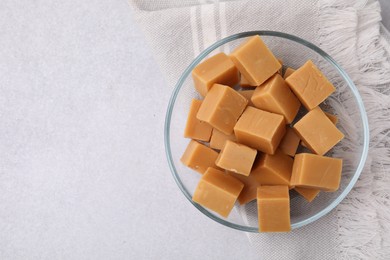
point(345, 102)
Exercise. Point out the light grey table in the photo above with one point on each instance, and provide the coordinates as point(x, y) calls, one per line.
point(83, 173)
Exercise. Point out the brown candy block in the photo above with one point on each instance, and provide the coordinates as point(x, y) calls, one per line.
point(236, 158)
point(275, 96)
point(318, 132)
point(217, 191)
point(273, 169)
point(273, 206)
point(216, 69)
point(310, 85)
point(260, 129)
point(221, 108)
point(196, 129)
point(199, 157)
point(255, 61)
point(316, 172)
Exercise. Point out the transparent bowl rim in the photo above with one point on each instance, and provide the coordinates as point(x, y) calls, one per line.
point(324, 55)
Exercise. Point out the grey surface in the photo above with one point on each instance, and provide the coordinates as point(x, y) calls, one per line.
point(385, 5)
point(83, 173)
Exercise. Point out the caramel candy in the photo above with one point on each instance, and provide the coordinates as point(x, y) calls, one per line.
point(288, 72)
point(255, 61)
point(236, 158)
point(308, 194)
point(195, 128)
point(249, 192)
point(275, 96)
point(217, 191)
point(318, 132)
point(199, 157)
point(316, 172)
point(216, 69)
point(260, 129)
point(332, 118)
point(218, 139)
point(244, 83)
point(310, 85)
point(221, 108)
point(273, 206)
point(273, 169)
point(248, 95)
point(290, 142)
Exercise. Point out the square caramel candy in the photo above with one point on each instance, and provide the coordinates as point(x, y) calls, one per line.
point(221, 108)
point(217, 191)
point(249, 192)
point(310, 85)
point(255, 61)
point(236, 158)
point(273, 169)
point(290, 142)
point(316, 172)
point(248, 95)
point(308, 194)
point(273, 207)
point(216, 69)
point(199, 157)
point(260, 129)
point(331, 117)
point(196, 129)
point(244, 83)
point(218, 139)
point(288, 72)
point(275, 96)
point(317, 131)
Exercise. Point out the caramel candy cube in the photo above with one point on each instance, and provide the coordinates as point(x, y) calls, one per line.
point(273, 169)
point(218, 139)
point(288, 72)
point(216, 69)
point(290, 142)
point(248, 95)
point(217, 191)
point(308, 194)
point(273, 206)
point(318, 132)
point(196, 129)
point(275, 96)
point(260, 129)
point(255, 61)
point(199, 157)
point(221, 108)
point(310, 85)
point(331, 117)
point(249, 192)
point(236, 158)
point(316, 172)
point(244, 83)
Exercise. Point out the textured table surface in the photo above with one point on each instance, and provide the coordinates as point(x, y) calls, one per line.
point(83, 173)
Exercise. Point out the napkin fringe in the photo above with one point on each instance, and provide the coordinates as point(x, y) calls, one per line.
point(351, 34)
